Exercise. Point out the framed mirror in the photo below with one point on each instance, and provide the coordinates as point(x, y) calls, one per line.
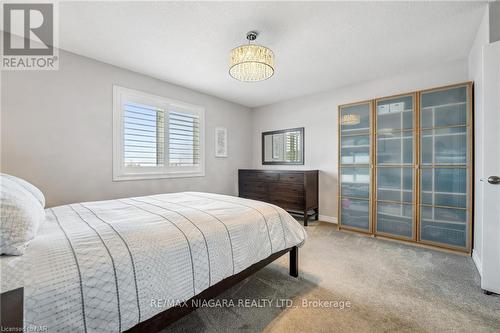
point(283, 147)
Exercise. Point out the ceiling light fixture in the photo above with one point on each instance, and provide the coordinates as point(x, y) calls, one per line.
point(252, 62)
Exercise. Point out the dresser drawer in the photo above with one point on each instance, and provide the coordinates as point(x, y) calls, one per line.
point(259, 176)
point(292, 177)
point(286, 190)
point(288, 203)
point(253, 187)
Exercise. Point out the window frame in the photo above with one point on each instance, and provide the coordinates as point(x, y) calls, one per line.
point(122, 95)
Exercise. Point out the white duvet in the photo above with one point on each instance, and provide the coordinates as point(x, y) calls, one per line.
point(106, 266)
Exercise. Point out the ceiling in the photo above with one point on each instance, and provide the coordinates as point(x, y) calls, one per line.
point(318, 45)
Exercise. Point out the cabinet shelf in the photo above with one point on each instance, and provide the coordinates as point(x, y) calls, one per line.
point(443, 105)
point(400, 216)
point(355, 146)
point(393, 189)
point(454, 193)
point(444, 222)
point(367, 129)
point(394, 112)
point(355, 198)
point(394, 138)
point(443, 135)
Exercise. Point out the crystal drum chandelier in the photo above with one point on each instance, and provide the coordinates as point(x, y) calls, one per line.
point(252, 62)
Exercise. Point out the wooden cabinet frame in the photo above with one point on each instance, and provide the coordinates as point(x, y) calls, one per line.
point(416, 167)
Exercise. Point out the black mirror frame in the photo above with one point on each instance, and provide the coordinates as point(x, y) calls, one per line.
point(299, 129)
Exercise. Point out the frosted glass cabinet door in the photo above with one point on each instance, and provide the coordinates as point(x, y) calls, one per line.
point(394, 167)
point(445, 118)
point(355, 161)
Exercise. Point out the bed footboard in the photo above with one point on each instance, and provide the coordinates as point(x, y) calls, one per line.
point(11, 310)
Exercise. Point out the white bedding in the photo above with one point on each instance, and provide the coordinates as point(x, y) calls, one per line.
point(105, 266)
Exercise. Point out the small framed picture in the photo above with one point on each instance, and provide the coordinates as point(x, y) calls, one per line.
point(220, 142)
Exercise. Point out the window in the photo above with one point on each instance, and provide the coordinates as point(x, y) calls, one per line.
point(155, 137)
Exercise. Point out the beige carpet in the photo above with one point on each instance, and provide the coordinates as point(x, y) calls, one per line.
point(389, 286)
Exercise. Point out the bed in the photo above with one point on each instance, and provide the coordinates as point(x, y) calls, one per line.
point(134, 264)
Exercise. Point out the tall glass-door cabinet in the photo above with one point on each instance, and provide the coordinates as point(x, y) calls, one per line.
point(355, 166)
point(405, 167)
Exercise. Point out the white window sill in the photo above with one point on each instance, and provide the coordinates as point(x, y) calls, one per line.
point(145, 176)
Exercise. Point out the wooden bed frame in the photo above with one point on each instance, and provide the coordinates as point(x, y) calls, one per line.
point(11, 302)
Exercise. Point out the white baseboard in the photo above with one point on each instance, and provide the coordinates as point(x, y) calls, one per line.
point(327, 218)
point(478, 263)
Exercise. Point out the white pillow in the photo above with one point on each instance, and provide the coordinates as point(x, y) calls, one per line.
point(21, 213)
point(28, 186)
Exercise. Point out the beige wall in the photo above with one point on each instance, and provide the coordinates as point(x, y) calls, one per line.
point(56, 132)
point(318, 114)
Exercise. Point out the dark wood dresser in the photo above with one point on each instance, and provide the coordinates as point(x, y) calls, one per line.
point(293, 190)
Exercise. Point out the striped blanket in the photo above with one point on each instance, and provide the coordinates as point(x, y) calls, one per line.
point(106, 266)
